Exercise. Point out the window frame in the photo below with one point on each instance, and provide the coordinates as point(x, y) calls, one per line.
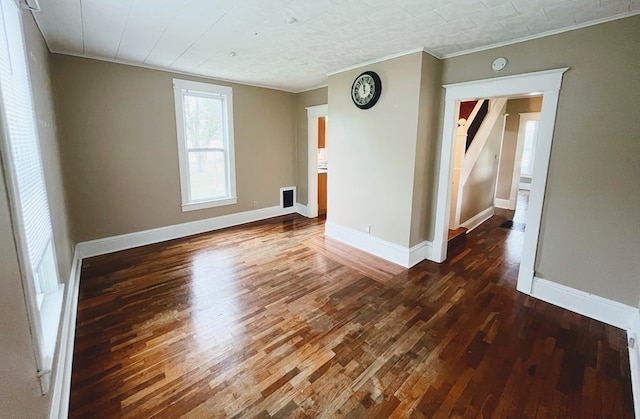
point(180, 87)
point(43, 291)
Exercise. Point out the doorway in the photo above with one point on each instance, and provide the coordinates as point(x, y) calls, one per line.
point(548, 84)
point(313, 114)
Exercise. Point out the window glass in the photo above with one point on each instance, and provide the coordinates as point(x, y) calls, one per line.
point(205, 142)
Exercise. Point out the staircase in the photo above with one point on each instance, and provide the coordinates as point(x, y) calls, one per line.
point(472, 135)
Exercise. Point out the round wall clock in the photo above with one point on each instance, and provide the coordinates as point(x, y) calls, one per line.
point(366, 90)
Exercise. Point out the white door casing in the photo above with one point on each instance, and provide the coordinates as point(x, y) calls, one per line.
point(548, 83)
point(313, 113)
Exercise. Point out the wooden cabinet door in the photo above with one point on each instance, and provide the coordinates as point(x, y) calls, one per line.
point(322, 132)
point(322, 193)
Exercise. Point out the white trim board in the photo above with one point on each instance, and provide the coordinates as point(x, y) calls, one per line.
point(634, 361)
point(542, 35)
point(403, 256)
point(61, 389)
point(475, 221)
point(509, 204)
point(548, 82)
point(302, 210)
point(381, 59)
point(157, 235)
point(590, 305)
point(602, 309)
point(313, 113)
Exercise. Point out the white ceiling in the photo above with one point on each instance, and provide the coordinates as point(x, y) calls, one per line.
point(198, 36)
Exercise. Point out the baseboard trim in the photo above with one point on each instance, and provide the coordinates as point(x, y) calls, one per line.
point(403, 256)
point(509, 204)
point(157, 235)
point(62, 381)
point(602, 309)
point(419, 252)
point(302, 210)
point(478, 219)
point(590, 305)
point(634, 360)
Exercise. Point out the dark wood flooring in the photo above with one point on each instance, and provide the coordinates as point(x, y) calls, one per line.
point(273, 320)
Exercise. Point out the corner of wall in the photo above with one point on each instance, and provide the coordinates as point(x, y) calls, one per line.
point(633, 333)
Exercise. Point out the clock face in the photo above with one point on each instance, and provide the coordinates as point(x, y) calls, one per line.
point(366, 90)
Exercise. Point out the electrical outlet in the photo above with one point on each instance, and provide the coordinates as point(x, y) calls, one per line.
point(255, 204)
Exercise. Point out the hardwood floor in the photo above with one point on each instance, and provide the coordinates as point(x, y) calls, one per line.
point(273, 320)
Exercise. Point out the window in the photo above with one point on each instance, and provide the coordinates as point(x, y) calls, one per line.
point(528, 150)
point(204, 119)
point(24, 175)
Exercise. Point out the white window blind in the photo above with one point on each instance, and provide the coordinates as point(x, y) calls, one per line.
point(23, 144)
point(23, 169)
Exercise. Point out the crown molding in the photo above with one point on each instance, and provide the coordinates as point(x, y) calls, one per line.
point(542, 35)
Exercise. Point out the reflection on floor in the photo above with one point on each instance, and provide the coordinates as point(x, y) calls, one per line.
point(273, 319)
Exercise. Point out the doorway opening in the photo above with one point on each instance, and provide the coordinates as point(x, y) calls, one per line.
point(547, 84)
point(492, 162)
point(317, 161)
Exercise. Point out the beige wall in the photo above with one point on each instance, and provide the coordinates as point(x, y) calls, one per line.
point(479, 191)
point(303, 100)
point(117, 125)
point(20, 395)
point(589, 235)
point(424, 180)
point(373, 152)
point(508, 156)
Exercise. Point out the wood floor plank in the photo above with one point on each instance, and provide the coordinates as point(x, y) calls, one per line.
point(272, 319)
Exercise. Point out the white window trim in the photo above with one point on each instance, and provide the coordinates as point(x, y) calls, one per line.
point(44, 308)
point(178, 87)
point(524, 118)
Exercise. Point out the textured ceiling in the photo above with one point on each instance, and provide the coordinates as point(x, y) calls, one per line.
point(253, 41)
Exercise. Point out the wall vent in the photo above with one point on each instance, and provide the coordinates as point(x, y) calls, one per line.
point(288, 197)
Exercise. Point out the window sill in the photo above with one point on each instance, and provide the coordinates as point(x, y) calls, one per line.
point(209, 204)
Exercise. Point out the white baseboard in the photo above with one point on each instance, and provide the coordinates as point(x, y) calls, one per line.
point(302, 210)
point(607, 311)
point(634, 360)
point(62, 380)
point(403, 256)
point(478, 219)
point(156, 235)
point(590, 305)
point(420, 252)
point(509, 204)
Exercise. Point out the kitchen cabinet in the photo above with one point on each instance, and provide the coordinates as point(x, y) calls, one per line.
point(322, 132)
point(322, 193)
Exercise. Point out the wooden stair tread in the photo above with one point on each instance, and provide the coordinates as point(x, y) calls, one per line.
point(456, 233)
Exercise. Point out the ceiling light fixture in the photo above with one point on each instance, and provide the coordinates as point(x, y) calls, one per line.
point(232, 54)
point(291, 20)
